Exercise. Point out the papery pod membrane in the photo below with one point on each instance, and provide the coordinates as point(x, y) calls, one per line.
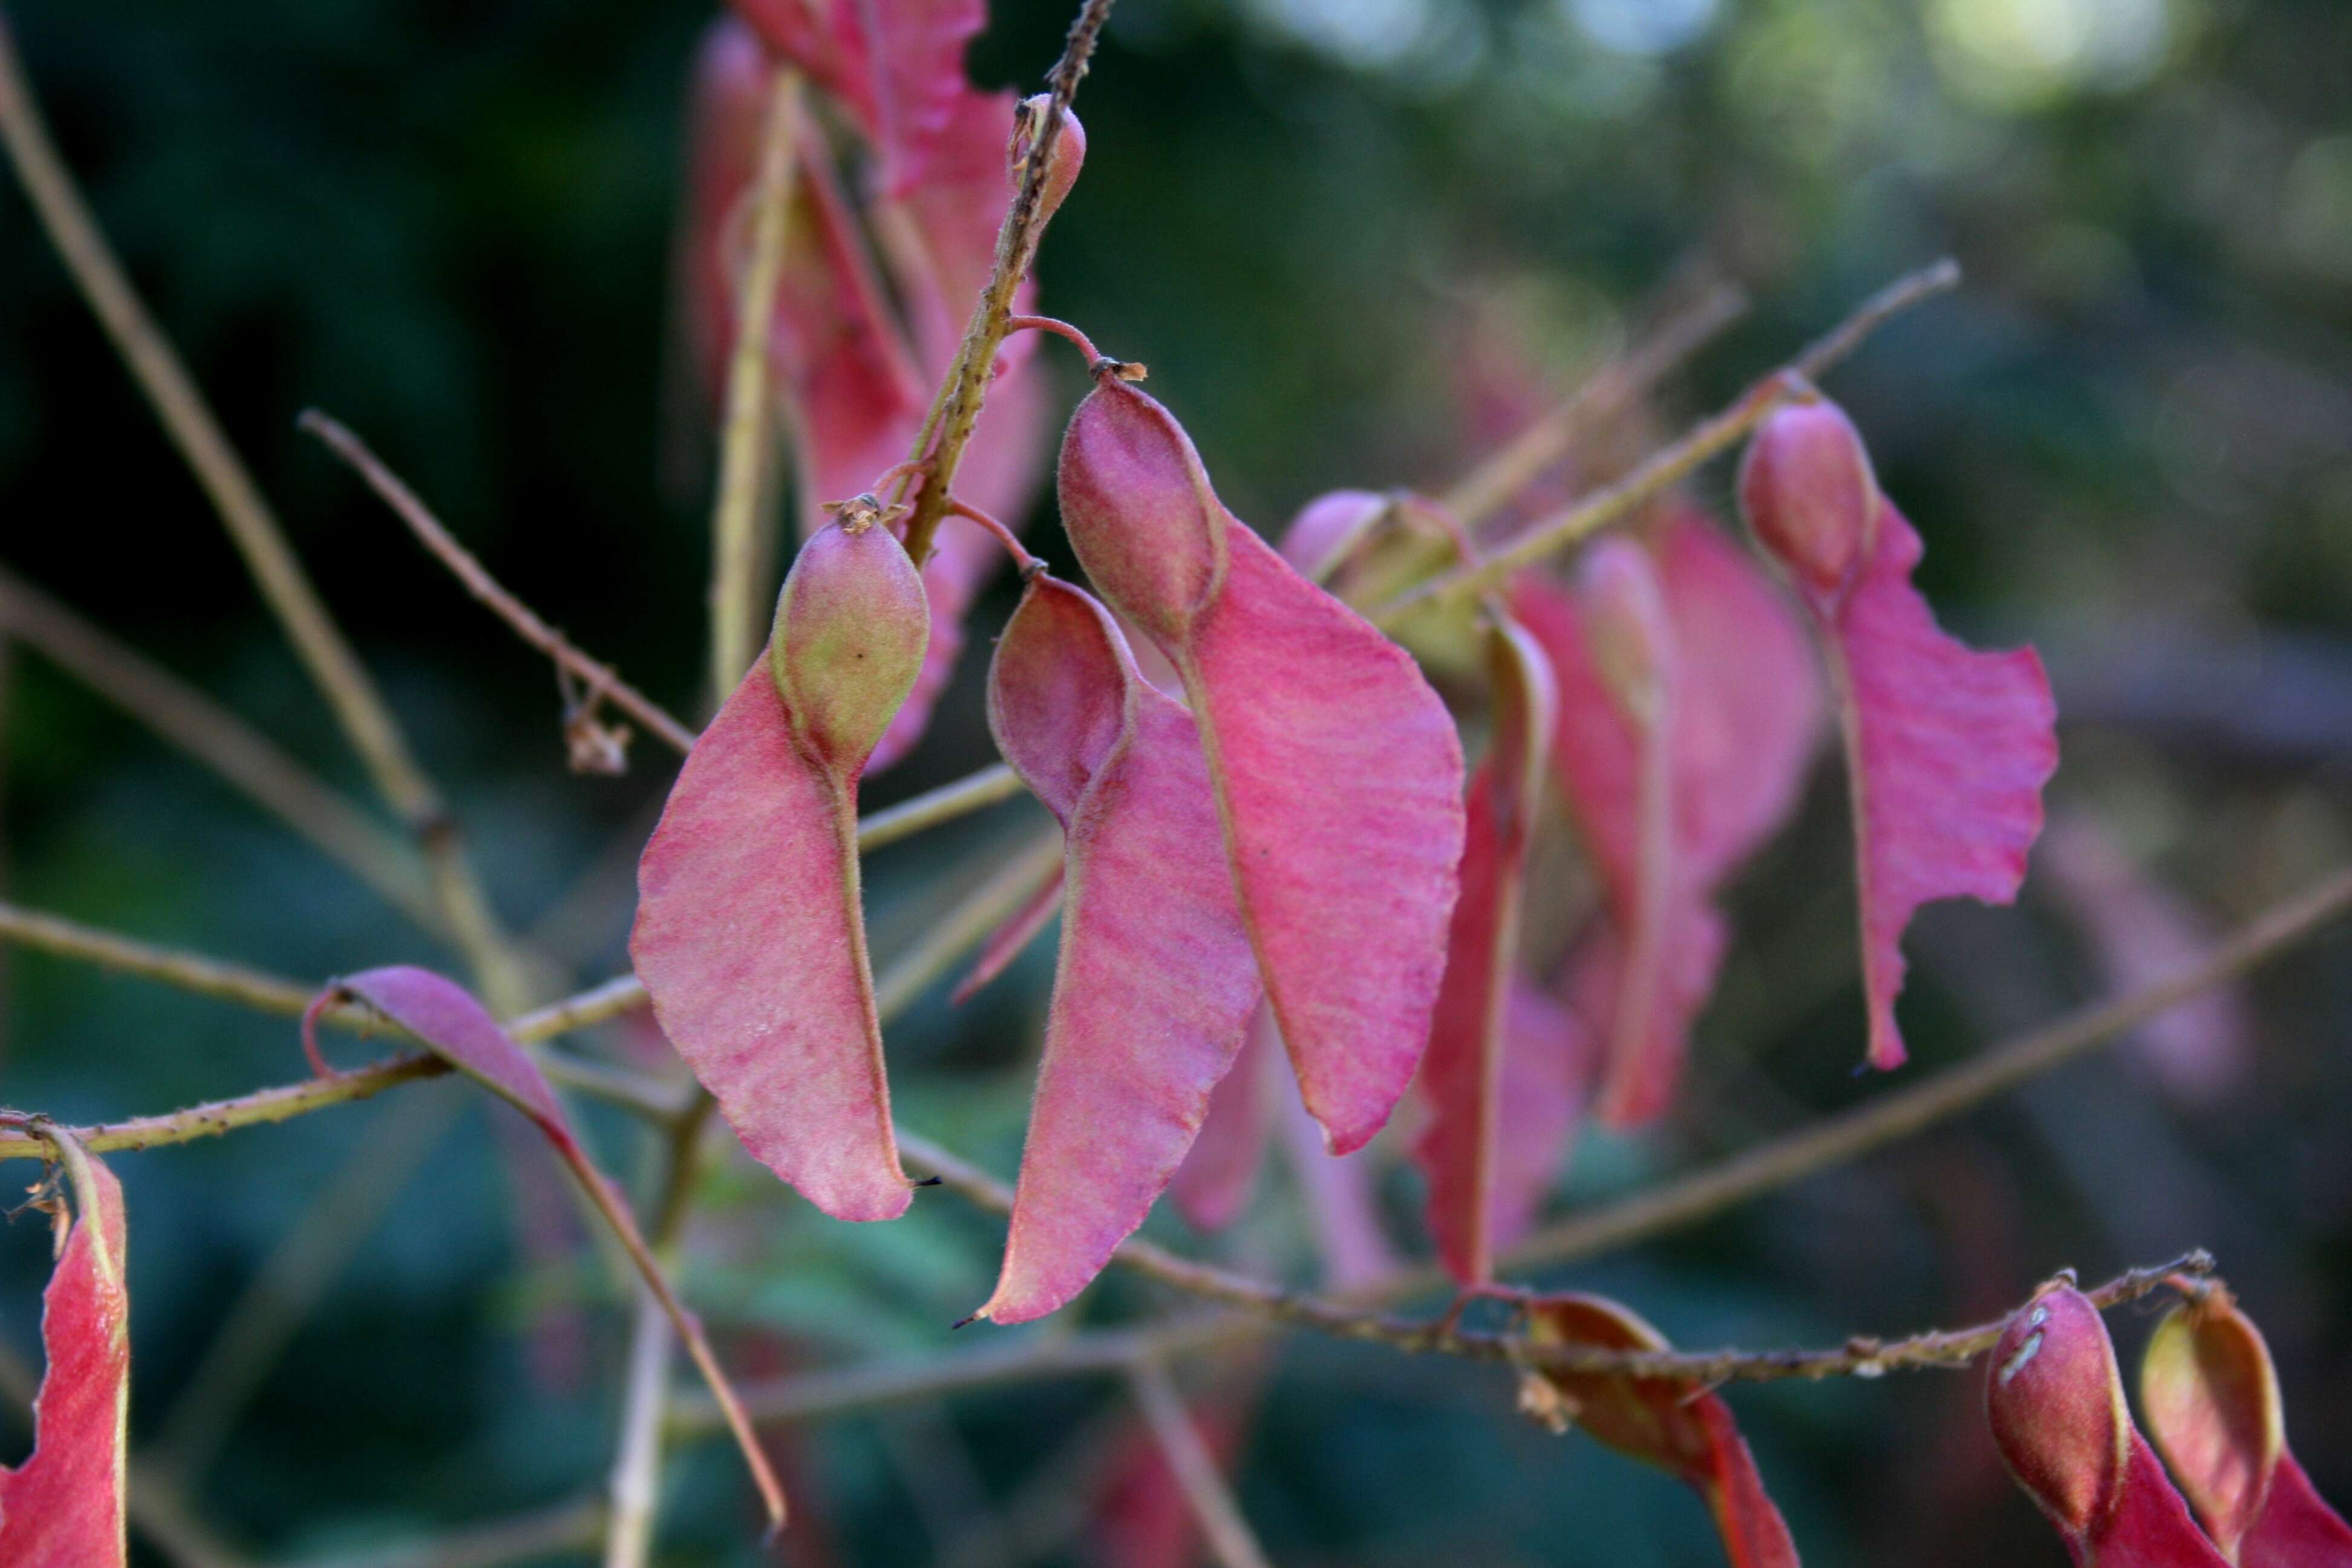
point(1684, 1431)
point(1946, 748)
point(1462, 1076)
point(64, 1506)
point(2211, 1397)
point(1213, 1186)
point(2055, 1405)
point(1339, 776)
point(750, 934)
point(458, 1028)
point(1155, 981)
point(1327, 528)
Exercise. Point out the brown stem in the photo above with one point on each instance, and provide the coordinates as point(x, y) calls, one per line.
point(1194, 1467)
point(1669, 466)
point(333, 667)
point(1483, 491)
point(248, 760)
point(941, 444)
point(601, 679)
point(745, 439)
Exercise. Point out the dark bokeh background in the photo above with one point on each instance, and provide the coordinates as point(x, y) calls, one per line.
point(2129, 439)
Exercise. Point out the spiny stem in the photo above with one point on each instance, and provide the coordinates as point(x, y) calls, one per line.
point(1483, 491)
point(333, 667)
point(1194, 1467)
point(601, 679)
point(1669, 466)
point(939, 446)
point(746, 442)
point(248, 760)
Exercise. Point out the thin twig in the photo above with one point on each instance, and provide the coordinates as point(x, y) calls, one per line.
point(1195, 1469)
point(744, 444)
point(965, 923)
point(1705, 1193)
point(1686, 1200)
point(1668, 467)
point(939, 446)
point(280, 1298)
point(601, 679)
point(525, 1538)
point(248, 760)
point(333, 667)
point(959, 797)
point(1549, 438)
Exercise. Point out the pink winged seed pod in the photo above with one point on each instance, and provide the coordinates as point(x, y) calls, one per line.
point(749, 934)
point(1463, 1075)
point(65, 1504)
point(1336, 770)
point(876, 284)
point(2211, 1397)
point(1673, 790)
point(1155, 985)
point(1946, 748)
point(2056, 1404)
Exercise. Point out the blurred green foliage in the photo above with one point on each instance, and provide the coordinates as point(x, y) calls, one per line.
point(2129, 439)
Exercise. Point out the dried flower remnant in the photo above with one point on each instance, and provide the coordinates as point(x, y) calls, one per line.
point(1155, 984)
point(750, 932)
point(64, 1506)
point(1660, 1422)
point(1946, 748)
point(2211, 1397)
point(1462, 1074)
point(1337, 769)
point(2055, 1405)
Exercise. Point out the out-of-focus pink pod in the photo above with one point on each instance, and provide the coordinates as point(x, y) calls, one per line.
point(1462, 1076)
point(1213, 1185)
point(850, 626)
point(751, 930)
point(1067, 157)
point(1946, 748)
point(65, 1504)
point(1337, 769)
point(1328, 527)
point(2210, 1397)
point(1550, 1061)
point(1807, 485)
point(1685, 1431)
point(2055, 1405)
point(1155, 984)
point(897, 65)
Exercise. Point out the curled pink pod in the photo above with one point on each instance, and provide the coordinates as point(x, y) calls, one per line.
point(1461, 1148)
point(2211, 1397)
point(1632, 637)
point(2056, 1404)
point(1155, 982)
point(1686, 1431)
point(1806, 486)
point(750, 928)
point(1337, 767)
point(1946, 748)
point(851, 627)
point(1068, 156)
